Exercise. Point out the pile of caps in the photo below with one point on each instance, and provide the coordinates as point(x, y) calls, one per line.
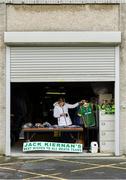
point(37, 125)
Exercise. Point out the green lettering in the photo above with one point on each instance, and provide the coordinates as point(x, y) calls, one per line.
point(58, 145)
point(63, 145)
point(46, 144)
point(68, 146)
point(39, 144)
point(25, 144)
point(48, 148)
point(34, 144)
point(79, 146)
point(53, 144)
point(29, 148)
point(30, 144)
point(72, 145)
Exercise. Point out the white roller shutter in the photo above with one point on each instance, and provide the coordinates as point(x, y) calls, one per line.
point(44, 64)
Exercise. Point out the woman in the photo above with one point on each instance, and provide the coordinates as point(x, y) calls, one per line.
point(61, 112)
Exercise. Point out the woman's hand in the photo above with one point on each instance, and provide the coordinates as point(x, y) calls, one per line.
point(64, 114)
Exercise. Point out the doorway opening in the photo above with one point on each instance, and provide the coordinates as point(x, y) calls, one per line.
point(32, 105)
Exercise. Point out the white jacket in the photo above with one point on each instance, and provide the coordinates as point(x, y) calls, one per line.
point(63, 120)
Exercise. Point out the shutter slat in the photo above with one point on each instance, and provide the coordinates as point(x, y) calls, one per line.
point(41, 64)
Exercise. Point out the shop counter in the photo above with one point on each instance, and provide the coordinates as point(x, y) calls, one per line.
point(31, 132)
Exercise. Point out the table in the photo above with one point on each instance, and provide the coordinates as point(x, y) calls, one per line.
point(30, 132)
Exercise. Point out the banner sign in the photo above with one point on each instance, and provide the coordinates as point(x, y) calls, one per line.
point(52, 146)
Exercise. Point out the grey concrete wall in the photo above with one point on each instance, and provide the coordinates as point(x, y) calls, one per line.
point(62, 17)
point(123, 77)
point(2, 78)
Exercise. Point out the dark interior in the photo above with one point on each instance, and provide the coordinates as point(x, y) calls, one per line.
point(33, 102)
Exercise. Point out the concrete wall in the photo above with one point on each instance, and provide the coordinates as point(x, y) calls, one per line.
point(62, 17)
point(123, 76)
point(2, 77)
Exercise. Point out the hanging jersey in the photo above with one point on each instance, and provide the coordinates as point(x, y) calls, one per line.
point(87, 115)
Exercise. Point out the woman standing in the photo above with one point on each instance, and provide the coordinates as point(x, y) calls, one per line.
point(61, 112)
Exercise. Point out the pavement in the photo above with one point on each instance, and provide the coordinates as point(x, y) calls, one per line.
point(62, 168)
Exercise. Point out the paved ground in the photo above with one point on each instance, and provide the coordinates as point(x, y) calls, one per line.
point(62, 168)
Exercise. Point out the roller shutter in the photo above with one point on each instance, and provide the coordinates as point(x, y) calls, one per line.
point(45, 64)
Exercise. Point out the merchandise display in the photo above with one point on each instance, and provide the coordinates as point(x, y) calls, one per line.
point(108, 107)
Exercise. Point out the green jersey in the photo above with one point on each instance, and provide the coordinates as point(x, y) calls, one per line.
point(87, 115)
point(108, 108)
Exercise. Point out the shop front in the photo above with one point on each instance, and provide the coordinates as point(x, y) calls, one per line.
point(42, 67)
